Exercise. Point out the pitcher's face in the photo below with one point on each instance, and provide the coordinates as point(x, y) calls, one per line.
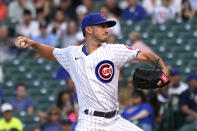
point(100, 32)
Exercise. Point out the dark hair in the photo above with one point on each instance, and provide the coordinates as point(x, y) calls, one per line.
point(186, 1)
point(43, 24)
point(116, 11)
point(84, 33)
point(26, 12)
point(39, 10)
point(183, 1)
point(138, 93)
point(13, 129)
point(59, 102)
point(66, 122)
point(21, 84)
point(59, 9)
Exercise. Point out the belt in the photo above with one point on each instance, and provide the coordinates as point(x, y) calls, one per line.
point(103, 114)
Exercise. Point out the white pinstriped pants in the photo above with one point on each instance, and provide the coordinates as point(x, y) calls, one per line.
point(95, 123)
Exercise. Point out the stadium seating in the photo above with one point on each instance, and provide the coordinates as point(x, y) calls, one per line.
point(175, 41)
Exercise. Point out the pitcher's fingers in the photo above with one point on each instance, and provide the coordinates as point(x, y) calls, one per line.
point(159, 83)
point(17, 39)
point(26, 45)
point(20, 39)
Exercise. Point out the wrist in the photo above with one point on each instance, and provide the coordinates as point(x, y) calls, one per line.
point(33, 43)
point(165, 71)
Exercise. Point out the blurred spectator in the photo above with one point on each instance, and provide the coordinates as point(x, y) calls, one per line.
point(73, 116)
point(124, 96)
point(61, 74)
point(130, 83)
point(8, 121)
point(1, 75)
point(115, 11)
point(17, 7)
point(136, 42)
point(69, 38)
point(149, 5)
point(56, 3)
point(6, 42)
point(3, 10)
point(113, 6)
point(1, 96)
point(140, 111)
point(27, 26)
point(188, 103)
point(40, 16)
point(45, 37)
point(36, 129)
point(134, 12)
point(112, 39)
point(193, 4)
point(186, 12)
point(22, 102)
point(164, 11)
point(176, 85)
point(59, 26)
point(64, 103)
point(71, 86)
point(53, 120)
point(66, 125)
point(80, 39)
point(160, 104)
point(42, 6)
point(68, 9)
point(88, 4)
point(76, 3)
point(81, 11)
point(176, 5)
point(113, 30)
point(13, 129)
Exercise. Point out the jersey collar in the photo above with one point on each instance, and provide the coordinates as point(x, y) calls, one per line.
point(84, 50)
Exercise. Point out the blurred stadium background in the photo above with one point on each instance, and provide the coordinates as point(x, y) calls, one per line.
point(174, 40)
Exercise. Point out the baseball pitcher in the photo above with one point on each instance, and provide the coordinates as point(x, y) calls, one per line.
point(94, 68)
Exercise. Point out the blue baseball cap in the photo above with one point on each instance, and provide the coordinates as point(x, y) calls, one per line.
point(95, 19)
point(192, 75)
point(174, 71)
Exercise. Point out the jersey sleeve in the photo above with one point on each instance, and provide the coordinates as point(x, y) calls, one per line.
point(123, 53)
point(63, 56)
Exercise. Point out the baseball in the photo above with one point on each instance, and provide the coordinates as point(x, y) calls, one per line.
point(20, 45)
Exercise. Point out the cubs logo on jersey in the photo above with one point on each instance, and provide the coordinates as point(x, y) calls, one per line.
point(105, 71)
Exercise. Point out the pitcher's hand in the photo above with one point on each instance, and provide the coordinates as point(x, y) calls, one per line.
point(23, 42)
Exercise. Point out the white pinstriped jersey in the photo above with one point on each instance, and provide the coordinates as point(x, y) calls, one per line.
point(96, 75)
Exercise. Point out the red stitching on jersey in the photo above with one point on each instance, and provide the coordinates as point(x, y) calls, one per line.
point(129, 47)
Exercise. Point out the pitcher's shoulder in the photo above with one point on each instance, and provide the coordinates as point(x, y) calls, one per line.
point(72, 48)
point(108, 45)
